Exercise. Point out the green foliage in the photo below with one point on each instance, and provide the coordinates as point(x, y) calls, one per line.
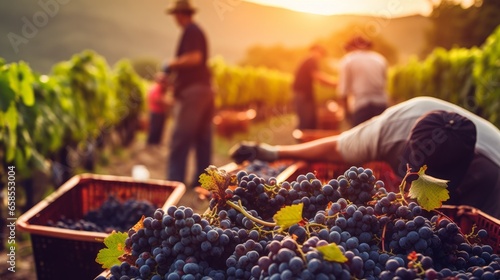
point(443, 74)
point(277, 57)
point(130, 90)
point(241, 87)
point(487, 78)
point(456, 25)
point(18, 118)
point(88, 77)
point(466, 77)
point(41, 115)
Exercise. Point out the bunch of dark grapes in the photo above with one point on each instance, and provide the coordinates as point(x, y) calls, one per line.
point(264, 169)
point(353, 221)
point(267, 196)
point(111, 215)
point(179, 244)
point(357, 185)
point(314, 195)
point(379, 233)
point(417, 234)
point(244, 258)
point(284, 261)
point(256, 194)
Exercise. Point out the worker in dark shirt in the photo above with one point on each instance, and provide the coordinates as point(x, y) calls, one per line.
point(303, 87)
point(194, 97)
point(455, 144)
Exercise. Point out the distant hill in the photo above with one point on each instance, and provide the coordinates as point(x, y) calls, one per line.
point(119, 29)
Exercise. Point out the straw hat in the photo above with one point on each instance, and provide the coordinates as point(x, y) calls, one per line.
point(181, 6)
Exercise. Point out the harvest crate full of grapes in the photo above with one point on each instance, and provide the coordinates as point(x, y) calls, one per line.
point(309, 226)
point(67, 228)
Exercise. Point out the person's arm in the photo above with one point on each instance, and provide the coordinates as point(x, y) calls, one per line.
point(324, 149)
point(324, 78)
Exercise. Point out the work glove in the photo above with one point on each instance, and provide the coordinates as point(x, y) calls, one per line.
point(251, 151)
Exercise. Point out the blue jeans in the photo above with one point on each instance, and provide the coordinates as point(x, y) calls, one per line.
point(192, 128)
point(156, 127)
point(367, 112)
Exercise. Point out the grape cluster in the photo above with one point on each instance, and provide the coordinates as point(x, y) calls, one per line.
point(240, 265)
point(381, 236)
point(357, 185)
point(180, 244)
point(111, 215)
point(285, 261)
point(267, 196)
point(264, 169)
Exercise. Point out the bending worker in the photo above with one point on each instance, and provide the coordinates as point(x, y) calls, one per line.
point(455, 144)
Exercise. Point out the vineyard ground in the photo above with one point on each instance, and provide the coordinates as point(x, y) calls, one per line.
point(120, 162)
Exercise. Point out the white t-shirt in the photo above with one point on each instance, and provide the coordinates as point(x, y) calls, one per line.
point(363, 76)
point(383, 138)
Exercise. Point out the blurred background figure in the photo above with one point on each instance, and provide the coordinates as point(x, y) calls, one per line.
point(306, 74)
point(362, 81)
point(194, 97)
point(158, 104)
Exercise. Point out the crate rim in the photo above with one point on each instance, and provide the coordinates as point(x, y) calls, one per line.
point(470, 210)
point(90, 236)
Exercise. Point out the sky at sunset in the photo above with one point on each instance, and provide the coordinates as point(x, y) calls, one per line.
point(392, 8)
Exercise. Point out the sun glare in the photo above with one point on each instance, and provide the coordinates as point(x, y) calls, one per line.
point(312, 7)
point(320, 7)
point(367, 7)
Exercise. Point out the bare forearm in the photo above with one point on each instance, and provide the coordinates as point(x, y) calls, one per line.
point(324, 149)
point(325, 79)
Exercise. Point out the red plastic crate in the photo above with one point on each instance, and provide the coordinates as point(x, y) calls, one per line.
point(467, 216)
point(70, 254)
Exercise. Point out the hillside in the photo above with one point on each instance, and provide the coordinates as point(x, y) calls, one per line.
point(116, 29)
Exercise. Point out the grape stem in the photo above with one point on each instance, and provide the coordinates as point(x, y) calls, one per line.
point(383, 236)
point(402, 186)
point(240, 208)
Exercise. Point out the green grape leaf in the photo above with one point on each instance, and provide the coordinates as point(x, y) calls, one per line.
point(289, 215)
point(430, 192)
point(115, 243)
point(211, 180)
point(216, 180)
point(332, 253)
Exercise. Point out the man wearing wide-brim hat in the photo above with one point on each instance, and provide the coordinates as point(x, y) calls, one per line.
point(181, 6)
point(194, 106)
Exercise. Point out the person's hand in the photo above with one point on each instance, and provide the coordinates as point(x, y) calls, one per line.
point(252, 151)
point(167, 69)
